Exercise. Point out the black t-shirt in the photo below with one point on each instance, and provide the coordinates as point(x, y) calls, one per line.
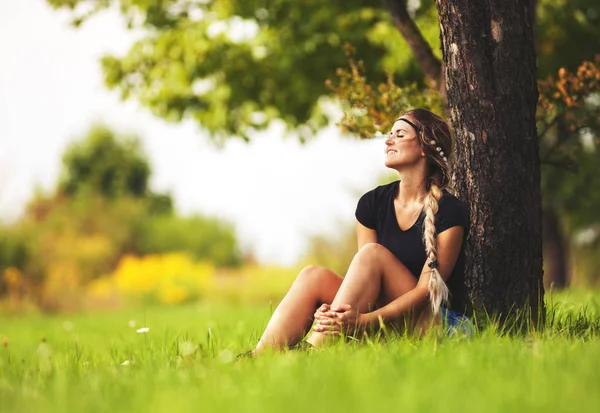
point(375, 210)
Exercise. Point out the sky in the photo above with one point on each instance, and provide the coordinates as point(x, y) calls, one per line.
point(275, 191)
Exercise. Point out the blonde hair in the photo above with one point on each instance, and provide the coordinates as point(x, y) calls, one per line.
point(436, 141)
point(438, 290)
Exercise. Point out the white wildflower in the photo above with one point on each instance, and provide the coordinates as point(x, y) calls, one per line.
point(187, 348)
point(44, 350)
point(44, 353)
point(226, 356)
point(143, 330)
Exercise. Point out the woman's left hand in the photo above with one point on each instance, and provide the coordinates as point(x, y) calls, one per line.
point(336, 319)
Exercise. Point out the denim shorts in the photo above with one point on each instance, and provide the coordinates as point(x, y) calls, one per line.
point(456, 323)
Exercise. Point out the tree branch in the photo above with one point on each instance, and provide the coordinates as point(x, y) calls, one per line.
point(417, 43)
point(563, 135)
point(548, 126)
point(566, 165)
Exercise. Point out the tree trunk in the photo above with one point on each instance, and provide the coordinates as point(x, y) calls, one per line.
point(555, 251)
point(492, 93)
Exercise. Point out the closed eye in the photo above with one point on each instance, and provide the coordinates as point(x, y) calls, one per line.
point(398, 134)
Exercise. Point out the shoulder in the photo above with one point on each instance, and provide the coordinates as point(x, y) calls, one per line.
point(382, 191)
point(452, 212)
point(370, 205)
point(450, 201)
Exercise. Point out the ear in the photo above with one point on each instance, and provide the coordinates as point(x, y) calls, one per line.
point(422, 153)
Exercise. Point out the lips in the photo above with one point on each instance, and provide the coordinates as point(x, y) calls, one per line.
point(391, 152)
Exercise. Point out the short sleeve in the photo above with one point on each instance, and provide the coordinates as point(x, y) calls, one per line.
point(366, 211)
point(452, 213)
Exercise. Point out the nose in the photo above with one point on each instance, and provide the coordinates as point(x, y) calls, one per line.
point(389, 141)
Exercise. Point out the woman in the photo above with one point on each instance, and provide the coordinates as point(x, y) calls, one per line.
point(410, 261)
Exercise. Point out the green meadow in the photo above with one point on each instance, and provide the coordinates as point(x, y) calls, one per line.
point(184, 360)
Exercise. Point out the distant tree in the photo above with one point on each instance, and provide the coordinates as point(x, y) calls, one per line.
point(112, 166)
point(109, 165)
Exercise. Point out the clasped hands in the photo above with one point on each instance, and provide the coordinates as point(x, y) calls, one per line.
point(338, 319)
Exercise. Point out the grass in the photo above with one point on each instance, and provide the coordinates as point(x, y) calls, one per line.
point(186, 362)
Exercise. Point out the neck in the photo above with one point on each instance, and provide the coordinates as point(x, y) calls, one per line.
point(412, 189)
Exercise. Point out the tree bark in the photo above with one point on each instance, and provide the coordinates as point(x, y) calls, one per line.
point(419, 46)
point(490, 69)
point(555, 251)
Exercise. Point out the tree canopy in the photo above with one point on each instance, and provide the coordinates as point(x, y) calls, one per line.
point(235, 65)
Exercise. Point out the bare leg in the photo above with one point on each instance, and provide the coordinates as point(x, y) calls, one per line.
point(294, 315)
point(375, 276)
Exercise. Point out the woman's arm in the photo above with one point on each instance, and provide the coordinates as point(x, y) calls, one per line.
point(364, 235)
point(449, 245)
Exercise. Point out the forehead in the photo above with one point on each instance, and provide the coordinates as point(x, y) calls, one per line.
point(402, 125)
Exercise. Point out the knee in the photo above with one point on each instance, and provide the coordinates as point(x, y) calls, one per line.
point(313, 276)
point(370, 252)
point(311, 273)
point(371, 247)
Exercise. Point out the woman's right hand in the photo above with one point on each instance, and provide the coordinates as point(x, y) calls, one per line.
point(329, 325)
point(320, 313)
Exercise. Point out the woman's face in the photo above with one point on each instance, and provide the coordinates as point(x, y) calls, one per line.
point(403, 147)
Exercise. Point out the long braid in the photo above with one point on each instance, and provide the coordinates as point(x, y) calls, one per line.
point(438, 291)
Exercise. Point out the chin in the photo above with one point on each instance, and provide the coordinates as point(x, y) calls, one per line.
point(393, 163)
point(400, 163)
